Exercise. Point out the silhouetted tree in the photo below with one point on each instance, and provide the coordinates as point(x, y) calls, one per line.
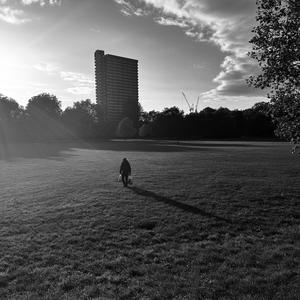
point(145, 130)
point(276, 48)
point(44, 105)
point(262, 111)
point(126, 129)
point(43, 117)
point(224, 124)
point(239, 120)
point(11, 126)
point(207, 125)
point(9, 108)
point(148, 117)
point(140, 111)
point(169, 123)
point(193, 125)
point(81, 119)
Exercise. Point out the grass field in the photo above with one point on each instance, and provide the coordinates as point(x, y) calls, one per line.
point(203, 220)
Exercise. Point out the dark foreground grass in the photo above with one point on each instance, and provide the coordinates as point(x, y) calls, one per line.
point(214, 220)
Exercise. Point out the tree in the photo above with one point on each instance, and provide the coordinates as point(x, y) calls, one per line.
point(44, 105)
point(125, 129)
point(10, 119)
point(276, 47)
point(169, 123)
point(9, 108)
point(145, 130)
point(81, 118)
point(223, 123)
point(140, 112)
point(149, 117)
point(43, 117)
point(257, 122)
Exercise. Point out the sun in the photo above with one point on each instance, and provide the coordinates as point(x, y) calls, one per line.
point(7, 65)
point(15, 72)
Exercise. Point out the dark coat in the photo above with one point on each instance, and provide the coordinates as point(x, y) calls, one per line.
point(125, 168)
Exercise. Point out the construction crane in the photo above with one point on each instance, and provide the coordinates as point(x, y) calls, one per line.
point(192, 107)
point(196, 108)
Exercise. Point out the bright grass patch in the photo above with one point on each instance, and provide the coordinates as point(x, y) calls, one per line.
point(203, 220)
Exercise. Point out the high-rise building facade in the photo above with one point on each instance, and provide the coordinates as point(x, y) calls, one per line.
point(117, 86)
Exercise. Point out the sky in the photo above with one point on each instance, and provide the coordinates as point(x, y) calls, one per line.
point(195, 46)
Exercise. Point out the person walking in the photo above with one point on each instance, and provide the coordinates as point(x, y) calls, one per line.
point(125, 171)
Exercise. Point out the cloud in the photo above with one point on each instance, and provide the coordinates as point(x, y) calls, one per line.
point(172, 22)
point(50, 68)
point(81, 83)
point(12, 16)
point(42, 2)
point(129, 9)
point(96, 30)
point(226, 23)
point(81, 90)
point(232, 78)
point(199, 66)
point(76, 77)
point(10, 13)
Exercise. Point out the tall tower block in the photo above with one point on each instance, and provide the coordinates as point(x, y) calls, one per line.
point(116, 86)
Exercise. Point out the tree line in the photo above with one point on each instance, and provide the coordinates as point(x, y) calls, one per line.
point(44, 119)
point(208, 123)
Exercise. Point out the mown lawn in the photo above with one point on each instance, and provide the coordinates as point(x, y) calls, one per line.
point(203, 220)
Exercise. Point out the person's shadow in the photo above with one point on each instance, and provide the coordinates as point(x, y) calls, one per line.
point(180, 205)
